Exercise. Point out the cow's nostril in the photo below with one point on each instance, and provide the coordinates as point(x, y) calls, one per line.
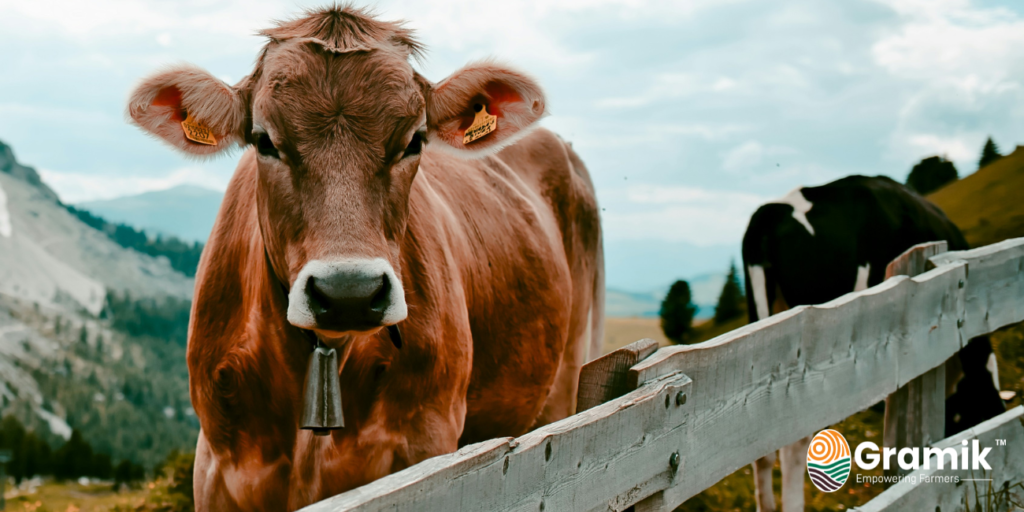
point(318, 301)
point(380, 299)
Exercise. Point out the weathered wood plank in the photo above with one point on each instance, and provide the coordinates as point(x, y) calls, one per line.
point(994, 295)
point(915, 414)
point(605, 378)
point(754, 390)
point(771, 383)
point(1007, 464)
point(914, 261)
point(607, 458)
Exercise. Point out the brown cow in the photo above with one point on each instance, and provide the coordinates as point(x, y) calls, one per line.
point(356, 208)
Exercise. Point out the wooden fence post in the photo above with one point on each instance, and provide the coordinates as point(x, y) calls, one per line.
point(606, 378)
point(915, 415)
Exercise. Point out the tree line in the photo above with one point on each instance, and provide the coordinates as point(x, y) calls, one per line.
point(32, 456)
point(184, 257)
point(120, 419)
point(166, 318)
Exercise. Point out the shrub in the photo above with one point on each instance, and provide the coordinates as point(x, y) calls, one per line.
point(127, 473)
point(931, 174)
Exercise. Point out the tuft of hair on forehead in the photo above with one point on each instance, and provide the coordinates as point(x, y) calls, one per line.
point(344, 28)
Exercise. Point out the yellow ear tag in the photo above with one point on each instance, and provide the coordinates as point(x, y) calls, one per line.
point(483, 124)
point(196, 131)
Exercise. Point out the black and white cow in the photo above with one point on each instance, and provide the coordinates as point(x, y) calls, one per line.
point(818, 243)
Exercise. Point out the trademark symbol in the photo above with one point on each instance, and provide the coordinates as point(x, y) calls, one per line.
point(1000, 442)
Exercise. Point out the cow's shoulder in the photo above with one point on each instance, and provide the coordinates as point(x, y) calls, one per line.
point(539, 152)
point(551, 166)
point(224, 290)
point(235, 238)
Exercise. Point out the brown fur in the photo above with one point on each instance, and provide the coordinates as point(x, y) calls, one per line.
point(500, 259)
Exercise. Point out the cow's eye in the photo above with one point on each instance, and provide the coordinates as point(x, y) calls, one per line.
point(264, 145)
point(416, 144)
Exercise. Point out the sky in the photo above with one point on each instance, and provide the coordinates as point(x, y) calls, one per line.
point(688, 113)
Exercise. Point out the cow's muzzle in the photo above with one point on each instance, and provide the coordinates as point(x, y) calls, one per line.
point(346, 296)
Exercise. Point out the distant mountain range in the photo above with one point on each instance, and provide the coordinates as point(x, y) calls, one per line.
point(185, 211)
point(704, 288)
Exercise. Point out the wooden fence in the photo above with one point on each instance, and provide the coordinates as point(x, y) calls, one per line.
point(691, 415)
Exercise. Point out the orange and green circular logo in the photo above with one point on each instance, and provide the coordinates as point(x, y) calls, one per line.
point(828, 460)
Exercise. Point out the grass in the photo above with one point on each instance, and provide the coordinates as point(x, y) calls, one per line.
point(619, 332)
point(169, 492)
point(989, 499)
point(986, 205)
point(71, 497)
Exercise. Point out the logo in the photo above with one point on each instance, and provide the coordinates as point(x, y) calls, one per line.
point(828, 460)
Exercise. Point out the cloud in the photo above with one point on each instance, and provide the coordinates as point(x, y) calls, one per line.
point(963, 67)
point(694, 215)
point(950, 44)
point(97, 21)
point(751, 154)
point(953, 148)
point(75, 187)
point(703, 94)
point(669, 87)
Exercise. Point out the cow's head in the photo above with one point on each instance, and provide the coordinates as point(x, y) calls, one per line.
point(339, 119)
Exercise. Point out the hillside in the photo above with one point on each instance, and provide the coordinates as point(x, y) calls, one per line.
point(987, 205)
point(92, 334)
point(185, 211)
point(49, 256)
point(10, 165)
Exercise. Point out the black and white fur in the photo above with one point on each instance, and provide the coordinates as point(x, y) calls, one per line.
point(819, 243)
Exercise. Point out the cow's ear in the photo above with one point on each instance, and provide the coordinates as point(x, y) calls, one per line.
point(189, 109)
point(460, 109)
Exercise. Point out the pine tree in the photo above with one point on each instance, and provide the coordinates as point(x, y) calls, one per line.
point(677, 312)
point(731, 301)
point(989, 153)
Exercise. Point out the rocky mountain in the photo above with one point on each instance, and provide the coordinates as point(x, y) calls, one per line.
point(92, 334)
point(185, 211)
point(9, 165)
point(50, 257)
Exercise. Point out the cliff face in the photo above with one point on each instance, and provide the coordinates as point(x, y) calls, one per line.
point(10, 165)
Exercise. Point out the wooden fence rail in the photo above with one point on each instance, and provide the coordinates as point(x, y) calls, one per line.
point(969, 486)
point(699, 412)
